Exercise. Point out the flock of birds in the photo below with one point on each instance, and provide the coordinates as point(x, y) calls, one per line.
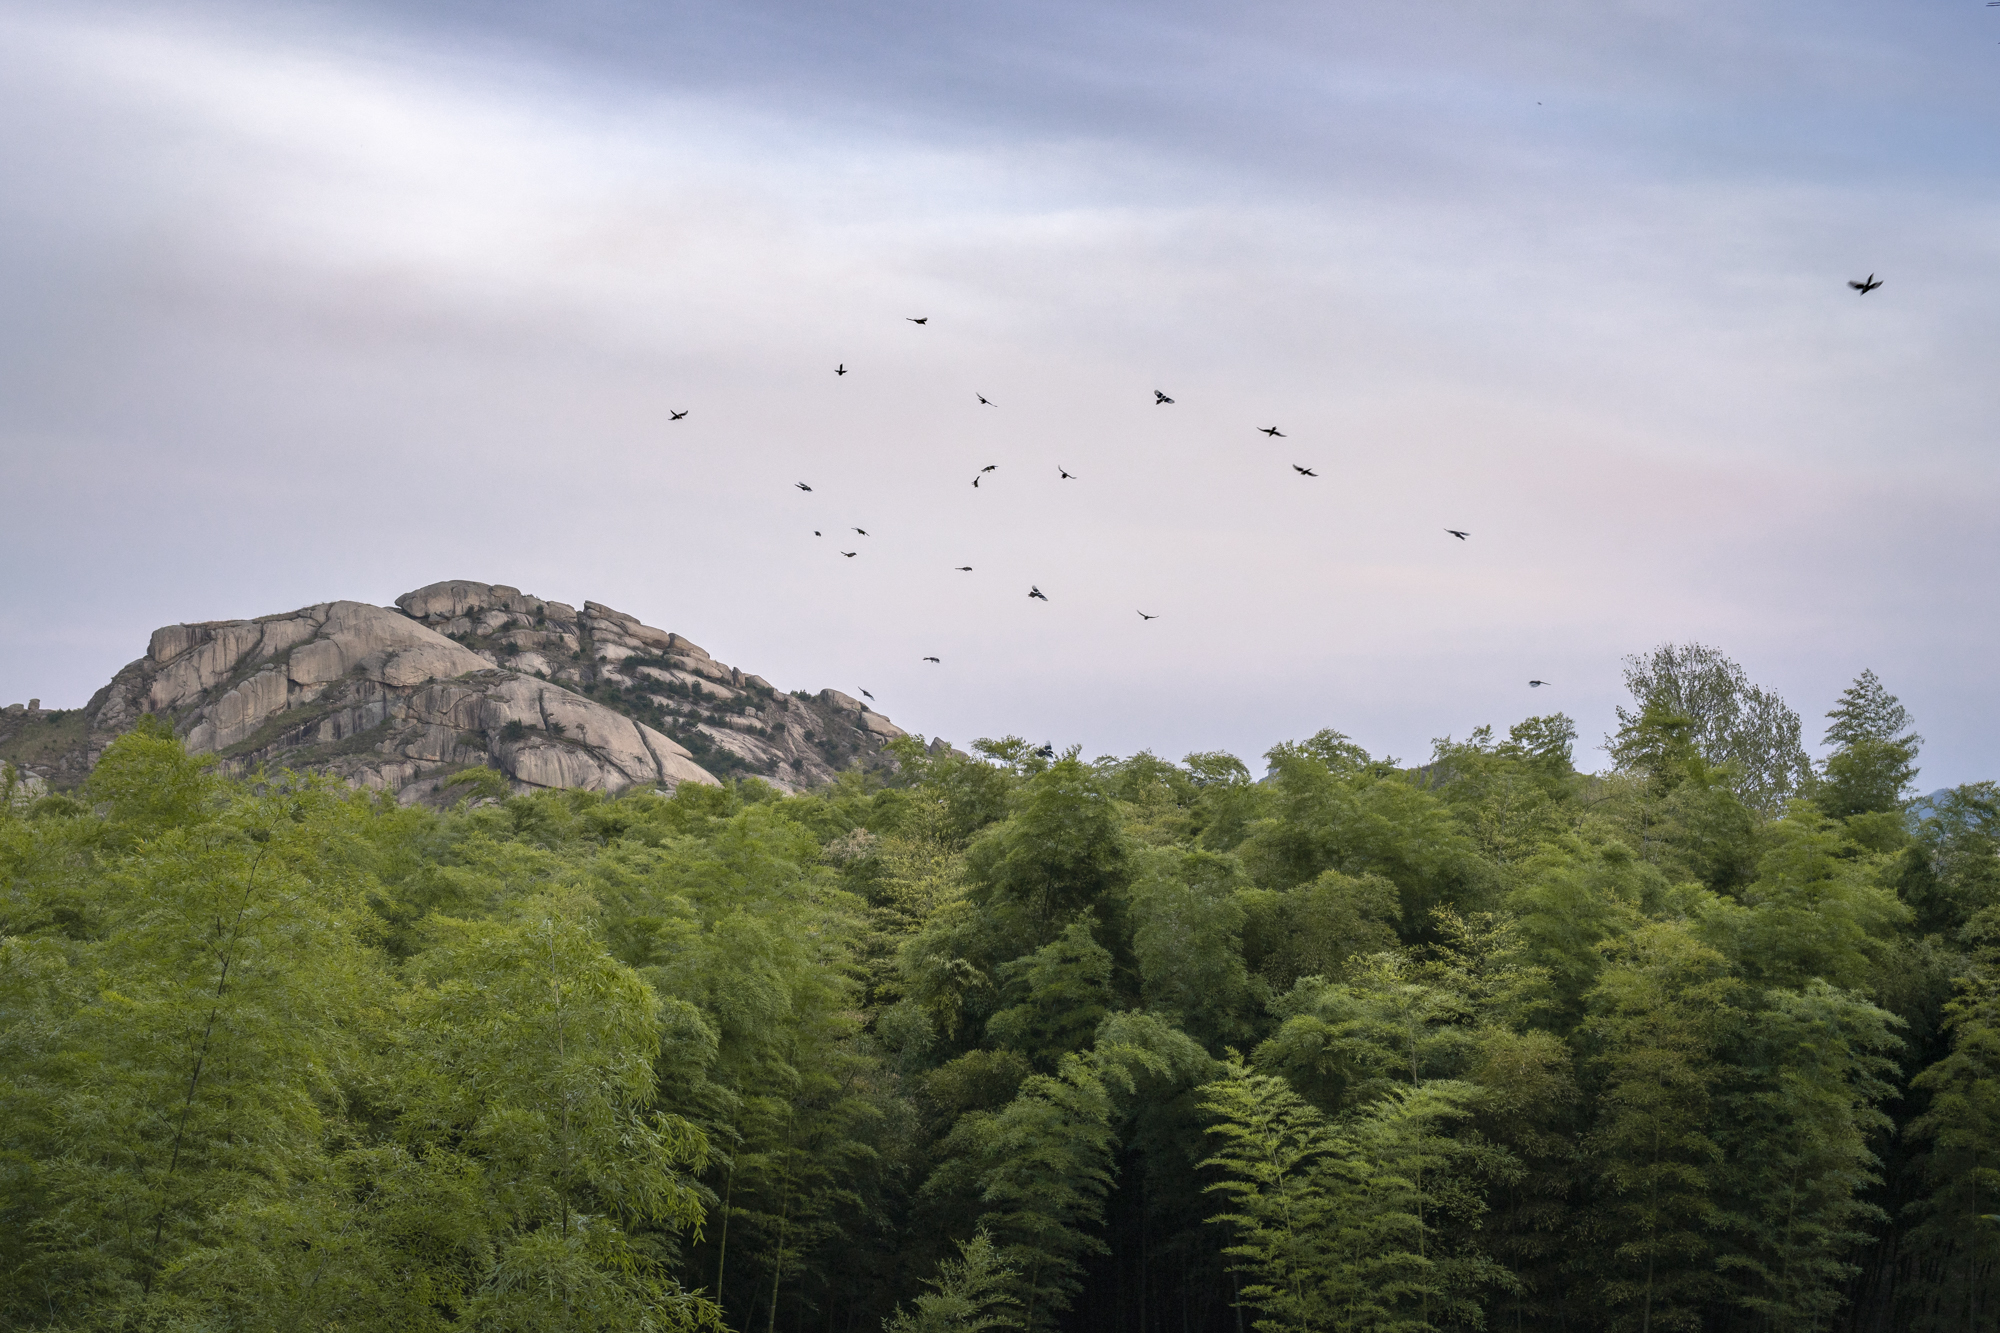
point(1160, 399)
point(1863, 286)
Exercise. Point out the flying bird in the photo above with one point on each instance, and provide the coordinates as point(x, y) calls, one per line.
point(1865, 286)
point(914, 320)
point(1272, 431)
point(866, 695)
point(984, 399)
point(933, 659)
point(1047, 751)
point(1065, 476)
point(1160, 399)
point(862, 531)
point(975, 482)
point(964, 569)
point(840, 369)
point(1036, 592)
point(673, 415)
point(1304, 471)
point(818, 533)
point(989, 467)
point(1456, 533)
point(1537, 684)
point(850, 554)
point(1144, 616)
point(801, 485)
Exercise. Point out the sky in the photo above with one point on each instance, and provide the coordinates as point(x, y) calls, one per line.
point(306, 301)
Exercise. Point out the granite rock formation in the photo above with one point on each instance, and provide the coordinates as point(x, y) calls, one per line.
point(459, 675)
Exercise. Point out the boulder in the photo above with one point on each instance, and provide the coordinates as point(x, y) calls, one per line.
point(457, 597)
point(882, 726)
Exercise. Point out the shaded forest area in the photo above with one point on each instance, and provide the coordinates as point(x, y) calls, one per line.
point(1709, 1041)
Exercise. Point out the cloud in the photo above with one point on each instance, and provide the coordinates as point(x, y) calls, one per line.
point(335, 303)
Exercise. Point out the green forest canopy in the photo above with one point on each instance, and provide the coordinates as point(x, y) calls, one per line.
point(1710, 1041)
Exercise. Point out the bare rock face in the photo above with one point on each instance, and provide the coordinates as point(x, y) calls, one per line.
point(729, 722)
point(459, 675)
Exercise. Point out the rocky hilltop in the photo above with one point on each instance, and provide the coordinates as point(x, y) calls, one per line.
point(456, 676)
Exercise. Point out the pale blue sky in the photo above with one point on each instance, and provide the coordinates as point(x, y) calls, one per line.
point(312, 301)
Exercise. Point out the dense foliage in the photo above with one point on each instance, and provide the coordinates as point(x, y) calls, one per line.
point(1711, 1041)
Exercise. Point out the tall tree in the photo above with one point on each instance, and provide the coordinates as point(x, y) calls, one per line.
point(1868, 712)
point(1657, 1013)
point(1043, 1165)
point(1059, 853)
point(1732, 721)
point(520, 1088)
point(1813, 910)
point(1060, 992)
point(1960, 1167)
point(1808, 1072)
point(1873, 763)
point(1343, 1225)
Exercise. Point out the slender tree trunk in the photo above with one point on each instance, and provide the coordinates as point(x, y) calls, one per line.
point(1142, 1245)
point(1653, 1227)
point(1652, 1251)
point(778, 1262)
point(722, 1249)
point(226, 941)
point(555, 985)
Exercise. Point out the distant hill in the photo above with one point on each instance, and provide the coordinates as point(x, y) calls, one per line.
point(457, 675)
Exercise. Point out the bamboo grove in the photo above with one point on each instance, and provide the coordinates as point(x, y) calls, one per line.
point(1710, 1040)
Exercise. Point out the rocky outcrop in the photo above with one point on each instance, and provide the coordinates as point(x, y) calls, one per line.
point(731, 722)
point(460, 675)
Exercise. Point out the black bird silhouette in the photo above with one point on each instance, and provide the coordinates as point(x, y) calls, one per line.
point(840, 369)
point(1047, 751)
point(933, 659)
point(1160, 399)
point(1304, 471)
point(1536, 684)
point(862, 531)
point(673, 415)
point(964, 569)
point(1066, 476)
point(801, 485)
point(866, 695)
point(914, 320)
point(1456, 533)
point(818, 533)
point(1035, 592)
point(850, 554)
point(984, 399)
point(1865, 286)
point(1144, 616)
point(975, 481)
point(1273, 432)
point(989, 467)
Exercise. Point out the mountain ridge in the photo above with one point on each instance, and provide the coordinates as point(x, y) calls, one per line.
point(458, 675)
